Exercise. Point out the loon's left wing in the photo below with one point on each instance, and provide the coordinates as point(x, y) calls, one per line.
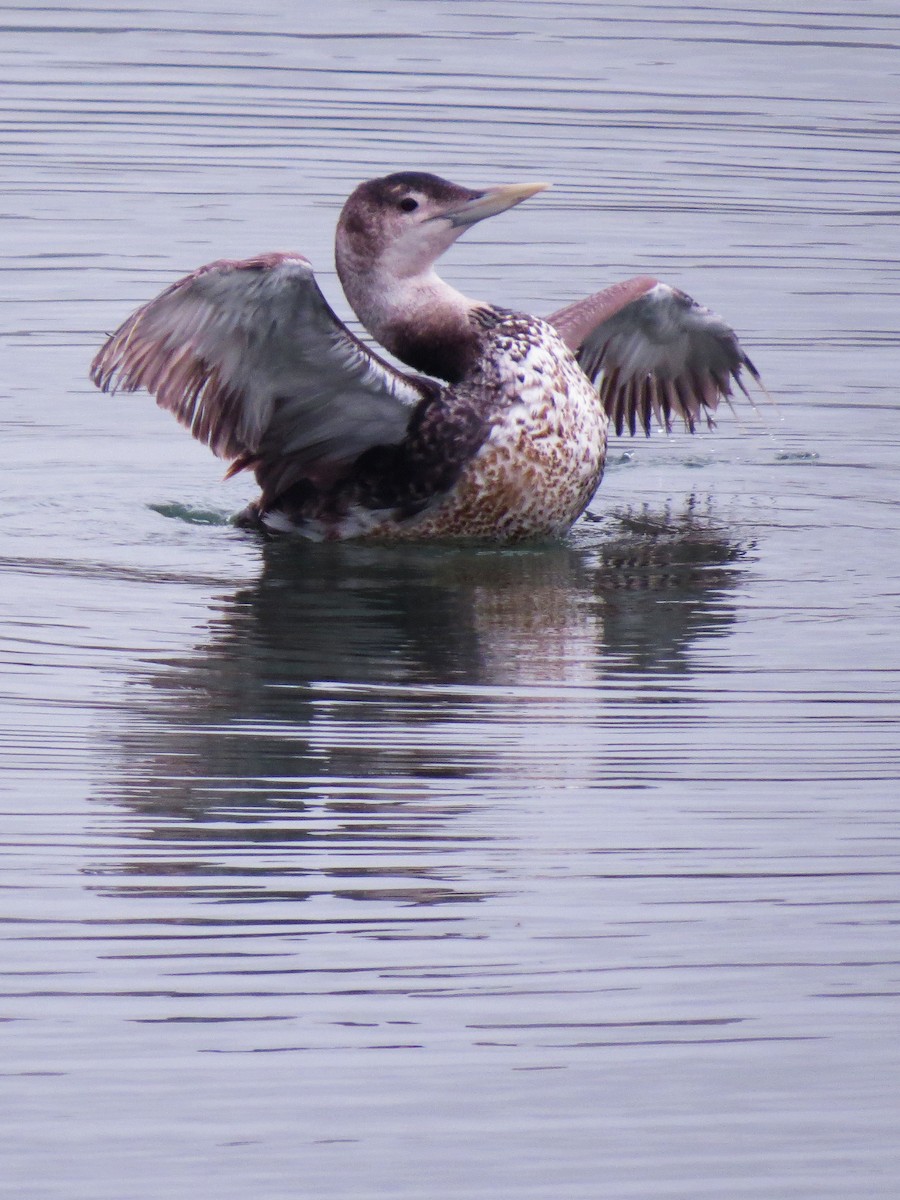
point(653, 352)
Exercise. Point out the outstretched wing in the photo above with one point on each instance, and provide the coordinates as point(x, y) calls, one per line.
point(250, 357)
point(653, 352)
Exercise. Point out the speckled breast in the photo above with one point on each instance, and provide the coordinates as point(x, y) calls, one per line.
point(543, 459)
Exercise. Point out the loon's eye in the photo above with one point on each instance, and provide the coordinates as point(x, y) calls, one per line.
point(407, 204)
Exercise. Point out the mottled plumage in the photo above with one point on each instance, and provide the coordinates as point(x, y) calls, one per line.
point(543, 457)
point(504, 436)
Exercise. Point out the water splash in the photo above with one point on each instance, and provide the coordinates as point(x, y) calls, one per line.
point(191, 515)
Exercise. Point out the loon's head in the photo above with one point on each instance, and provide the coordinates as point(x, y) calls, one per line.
point(389, 235)
point(401, 224)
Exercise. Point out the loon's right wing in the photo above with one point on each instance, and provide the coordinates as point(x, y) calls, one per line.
point(250, 357)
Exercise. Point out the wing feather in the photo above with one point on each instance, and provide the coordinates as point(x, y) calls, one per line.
point(653, 351)
point(250, 357)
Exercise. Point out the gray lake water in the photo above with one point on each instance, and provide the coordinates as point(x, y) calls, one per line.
point(565, 872)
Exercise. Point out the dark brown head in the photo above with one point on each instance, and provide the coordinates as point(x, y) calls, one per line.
point(389, 235)
point(402, 223)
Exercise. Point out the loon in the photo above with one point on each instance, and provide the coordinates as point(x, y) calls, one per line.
point(499, 430)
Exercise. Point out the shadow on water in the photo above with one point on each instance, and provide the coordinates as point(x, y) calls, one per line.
point(350, 689)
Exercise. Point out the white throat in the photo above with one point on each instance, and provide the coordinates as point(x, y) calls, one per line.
point(425, 303)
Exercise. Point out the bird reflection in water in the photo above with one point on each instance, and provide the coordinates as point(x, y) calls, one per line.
point(354, 700)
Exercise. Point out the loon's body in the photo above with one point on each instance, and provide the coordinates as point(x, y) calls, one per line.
point(503, 435)
point(520, 439)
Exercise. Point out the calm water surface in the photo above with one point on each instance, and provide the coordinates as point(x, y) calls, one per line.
point(567, 872)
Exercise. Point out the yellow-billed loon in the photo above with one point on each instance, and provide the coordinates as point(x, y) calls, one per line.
point(499, 434)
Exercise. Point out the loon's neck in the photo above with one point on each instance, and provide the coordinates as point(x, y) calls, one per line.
point(419, 318)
